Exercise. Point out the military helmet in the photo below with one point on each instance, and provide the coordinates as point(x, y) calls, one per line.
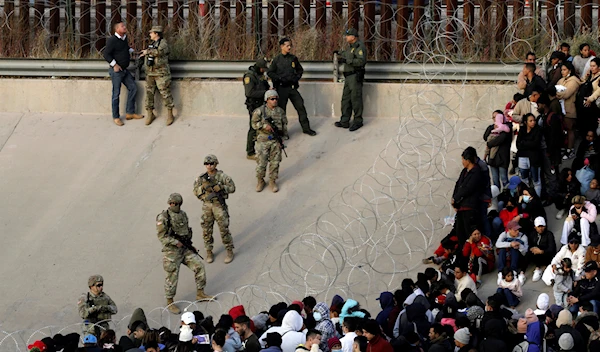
point(176, 198)
point(94, 279)
point(211, 158)
point(271, 93)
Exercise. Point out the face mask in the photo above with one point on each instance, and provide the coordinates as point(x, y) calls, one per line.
point(510, 208)
point(336, 350)
point(175, 208)
point(317, 316)
point(526, 199)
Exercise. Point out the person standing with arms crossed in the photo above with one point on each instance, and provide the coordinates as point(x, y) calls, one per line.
point(355, 59)
point(158, 74)
point(285, 71)
point(118, 54)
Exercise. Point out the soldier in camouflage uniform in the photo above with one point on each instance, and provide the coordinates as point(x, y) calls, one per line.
point(269, 150)
point(158, 74)
point(174, 220)
point(255, 86)
point(96, 307)
point(355, 59)
point(213, 188)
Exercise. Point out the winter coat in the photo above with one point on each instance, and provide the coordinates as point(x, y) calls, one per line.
point(572, 83)
point(580, 344)
point(524, 107)
point(325, 325)
point(529, 145)
point(586, 321)
point(289, 330)
point(493, 331)
point(534, 336)
point(544, 241)
point(379, 344)
point(502, 141)
point(441, 344)
point(349, 310)
point(468, 189)
point(386, 301)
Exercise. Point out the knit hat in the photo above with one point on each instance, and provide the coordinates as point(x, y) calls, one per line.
point(462, 335)
point(522, 326)
point(565, 342)
point(543, 301)
point(474, 312)
point(530, 316)
point(332, 342)
point(39, 345)
point(564, 318)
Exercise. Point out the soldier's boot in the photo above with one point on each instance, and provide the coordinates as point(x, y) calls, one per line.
point(149, 117)
point(209, 256)
point(170, 117)
point(274, 187)
point(261, 185)
point(229, 257)
point(200, 295)
point(172, 307)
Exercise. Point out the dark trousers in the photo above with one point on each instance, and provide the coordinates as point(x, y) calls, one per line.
point(509, 296)
point(126, 78)
point(352, 100)
point(539, 260)
point(550, 177)
point(251, 137)
point(287, 93)
point(465, 219)
point(516, 258)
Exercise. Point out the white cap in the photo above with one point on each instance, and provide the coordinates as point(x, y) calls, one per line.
point(543, 302)
point(188, 318)
point(566, 342)
point(539, 221)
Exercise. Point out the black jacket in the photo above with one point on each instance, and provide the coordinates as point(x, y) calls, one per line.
point(554, 136)
point(536, 84)
point(254, 88)
point(585, 322)
point(544, 242)
point(580, 344)
point(529, 145)
point(468, 188)
point(285, 71)
point(441, 344)
point(503, 140)
point(587, 290)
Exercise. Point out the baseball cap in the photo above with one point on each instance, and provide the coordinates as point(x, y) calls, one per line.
point(513, 225)
point(90, 339)
point(591, 265)
point(539, 221)
point(352, 31)
point(38, 344)
point(188, 318)
point(514, 182)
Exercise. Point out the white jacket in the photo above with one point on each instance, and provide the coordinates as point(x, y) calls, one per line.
point(577, 261)
point(347, 341)
point(290, 331)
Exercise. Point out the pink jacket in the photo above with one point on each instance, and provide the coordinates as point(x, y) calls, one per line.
point(591, 213)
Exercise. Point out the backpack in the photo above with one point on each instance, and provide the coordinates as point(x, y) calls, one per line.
point(585, 89)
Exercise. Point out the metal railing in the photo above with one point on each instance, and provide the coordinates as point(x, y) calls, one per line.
point(375, 71)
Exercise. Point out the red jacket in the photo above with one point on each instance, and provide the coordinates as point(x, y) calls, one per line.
point(379, 344)
point(506, 216)
point(440, 252)
point(483, 248)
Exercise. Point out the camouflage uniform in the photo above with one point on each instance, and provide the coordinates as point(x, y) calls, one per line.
point(173, 256)
point(97, 310)
point(158, 75)
point(212, 209)
point(268, 150)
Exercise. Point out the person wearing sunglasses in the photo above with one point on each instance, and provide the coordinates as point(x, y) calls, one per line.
point(96, 307)
point(268, 148)
point(213, 188)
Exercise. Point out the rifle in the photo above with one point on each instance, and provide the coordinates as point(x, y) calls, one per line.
point(186, 242)
point(276, 133)
point(214, 194)
point(90, 303)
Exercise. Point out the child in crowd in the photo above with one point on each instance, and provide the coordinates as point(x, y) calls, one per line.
point(563, 282)
point(499, 127)
point(510, 288)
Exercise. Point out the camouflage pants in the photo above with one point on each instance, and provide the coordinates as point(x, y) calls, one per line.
point(163, 84)
point(210, 213)
point(268, 152)
point(172, 261)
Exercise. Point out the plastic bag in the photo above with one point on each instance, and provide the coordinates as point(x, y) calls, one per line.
point(585, 175)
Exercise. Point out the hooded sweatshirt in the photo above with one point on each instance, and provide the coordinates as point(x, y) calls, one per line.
point(386, 301)
point(289, 330)
point(324, 325)
point(348, 311)
point(493, 342)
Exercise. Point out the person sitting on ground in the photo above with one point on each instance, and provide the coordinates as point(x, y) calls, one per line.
point(377, 343)
point(588, 149)
point(506, 215)
point(273, 342)
point(479, 252)
point(495, 312)
point(510, 287)
point(593, 193)
point(586, 321)
point(512, 242)
point(574, 251)
point(542, 247)
point(463, 280)
point(447, 245)
point(493, 341)
point(313, 340)
point(586, 290)
point(563, 282)
point(436, 279)
point(569, 187)
point(564, 325)
point(530, 206)
point(592, 252)
point(541, 306)
point(583, 213)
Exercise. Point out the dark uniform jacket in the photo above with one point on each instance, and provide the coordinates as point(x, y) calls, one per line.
point(255, 86)
point(285, 71)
